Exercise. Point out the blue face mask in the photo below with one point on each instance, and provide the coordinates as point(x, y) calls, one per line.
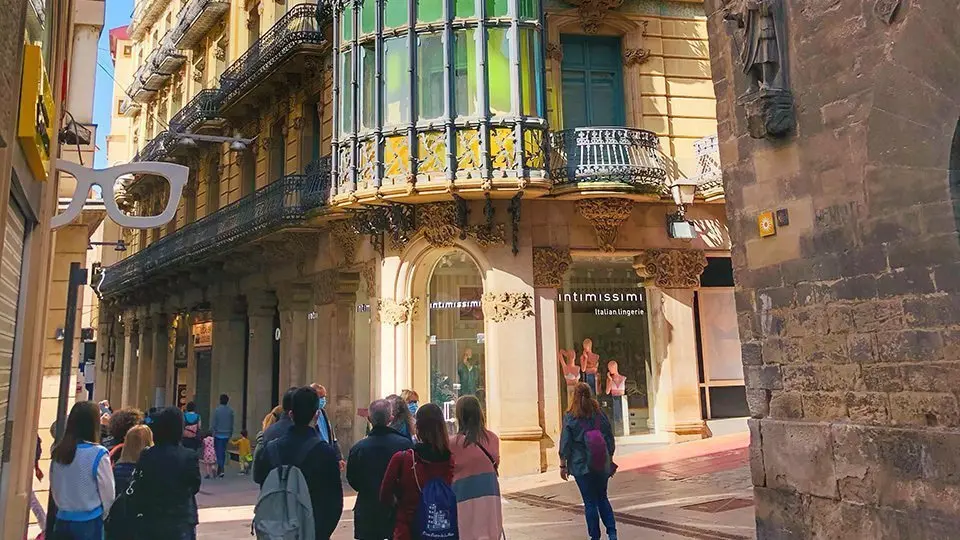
point(413, 407)
point(322, 403)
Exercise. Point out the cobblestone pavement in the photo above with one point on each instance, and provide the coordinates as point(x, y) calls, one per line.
point(694, 490)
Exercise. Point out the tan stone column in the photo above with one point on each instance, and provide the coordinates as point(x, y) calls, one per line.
point(295, 304)
point(144, 396)
point(344, 360)
point(671, 275)
point(129, 369)
point(161, 344)
point(226, 370)
point(261, 307)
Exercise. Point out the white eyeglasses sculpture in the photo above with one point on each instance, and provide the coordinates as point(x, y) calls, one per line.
point(175, 174)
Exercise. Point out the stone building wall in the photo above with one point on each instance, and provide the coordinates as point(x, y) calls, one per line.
point(848, 314)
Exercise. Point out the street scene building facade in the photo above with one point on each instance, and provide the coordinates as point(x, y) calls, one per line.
point(455, 197)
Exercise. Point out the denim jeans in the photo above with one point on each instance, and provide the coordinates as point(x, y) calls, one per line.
point(220, 447)
point(79, 530)
point(596, 505)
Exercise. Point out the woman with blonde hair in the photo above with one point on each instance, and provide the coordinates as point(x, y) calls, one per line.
point(137, 440)
point(476, 458)
point(412, 399)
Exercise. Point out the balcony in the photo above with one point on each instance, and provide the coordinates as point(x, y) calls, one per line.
point(145, 14)
point(129, 108)
point(195, 20)
point(158, 148)
point(203, 108)
point(168, 58)
point(297, 34)
point(285, 203)
point(607, 159)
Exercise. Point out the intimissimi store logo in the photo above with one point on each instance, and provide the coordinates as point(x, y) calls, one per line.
point(603, 302)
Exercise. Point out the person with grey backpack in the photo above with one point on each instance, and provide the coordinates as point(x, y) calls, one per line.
point(301, 495)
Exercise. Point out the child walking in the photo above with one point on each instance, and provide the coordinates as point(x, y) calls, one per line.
point(208, 456)
point(243, 449)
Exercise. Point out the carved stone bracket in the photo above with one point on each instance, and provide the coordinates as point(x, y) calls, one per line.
point(325, 287)
point(606, 216)
point(671, 268)
point(507, 306)
point(555, 51)
point(592, 12)
point(549, 266)
point(397, 313)
point(346, 239)
point(636, 57)
point(220, 53)
point(437, 222)
point(368, 271)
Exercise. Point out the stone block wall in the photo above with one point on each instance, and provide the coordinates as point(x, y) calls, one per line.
point(849, 316)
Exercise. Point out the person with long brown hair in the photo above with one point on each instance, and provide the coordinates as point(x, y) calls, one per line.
point(586, 451)
point(411, 471)
point(81, 478)
point(403, 421)
point(476, 457)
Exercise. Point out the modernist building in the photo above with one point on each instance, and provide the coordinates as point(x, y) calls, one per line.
point(451, 196)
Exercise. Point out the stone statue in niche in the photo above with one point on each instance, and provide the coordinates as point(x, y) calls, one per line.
point(761, 37)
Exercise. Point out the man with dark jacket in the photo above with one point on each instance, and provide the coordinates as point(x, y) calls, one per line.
point(365, 469)
point(280, 427)
point(319, 467)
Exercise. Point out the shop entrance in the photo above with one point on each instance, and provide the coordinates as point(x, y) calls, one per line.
point(602, 320)
point(456, 333)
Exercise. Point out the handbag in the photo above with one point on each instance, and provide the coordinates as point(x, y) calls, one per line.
point(125, 515)
point(496, 466)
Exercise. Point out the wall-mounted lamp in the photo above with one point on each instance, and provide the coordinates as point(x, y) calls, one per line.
point(237, 143)
point(684, 191)
point(119, 245)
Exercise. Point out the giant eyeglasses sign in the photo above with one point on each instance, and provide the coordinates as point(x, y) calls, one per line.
point(175, 174)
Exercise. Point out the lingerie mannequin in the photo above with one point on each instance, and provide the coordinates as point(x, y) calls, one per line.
point(468, 374)
point(590, 364)
point(571, 371)
point(616, 388)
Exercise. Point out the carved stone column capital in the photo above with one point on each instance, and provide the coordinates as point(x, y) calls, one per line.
point(671, 268)
point(549, 266)
point(507, 306)
point(397, 312)
point(606, 216)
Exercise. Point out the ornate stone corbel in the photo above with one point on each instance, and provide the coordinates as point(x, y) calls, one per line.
point(198, 75)
point(437, 222)
point(325, 287)
point(297, 123)
point(671, 268)
point(368, 271)
point(220, 52)
point(488, 237)
point(346, 239)
point(549, 266)
point(636, 57)
point(397, 313)
point(592, 12)
point(555, 51)
point(606, 216)
point(507, 306)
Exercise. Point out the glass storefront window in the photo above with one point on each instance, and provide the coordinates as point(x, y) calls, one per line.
point(346, 92)
point(430, 75)
point(497, 8)
point(464, 8)
point(368, 17)
point(368, 77)
point(530, 72)
point(395, 13)
point(429, 10)
point(498, 72)
point(456, 340)
point(396, 99)
point(465, 73)
point(602, 320)
point(527, 9)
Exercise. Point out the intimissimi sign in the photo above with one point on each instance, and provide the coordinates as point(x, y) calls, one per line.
point(626, 301)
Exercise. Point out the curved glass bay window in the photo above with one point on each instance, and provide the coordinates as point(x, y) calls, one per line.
point(434, 91)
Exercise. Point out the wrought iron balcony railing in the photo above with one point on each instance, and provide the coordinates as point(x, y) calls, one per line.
point(145, 14)
point(285, 202)
point(195, 20)
point(129, 107)
point(157, 148)
point(299, 27)
point(610, 155)
point(203, 107)
point(166, 57)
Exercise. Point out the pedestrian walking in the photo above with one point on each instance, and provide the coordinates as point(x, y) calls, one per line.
point(81, 478)
point(415, 480)
point(277, 422)
point(138, 439)
point(325, 427)
point(316, 460)
point(586, 452)
point(243, 451)
point(120, 423)
point(403, 421)
point(366, 468)
point(222, 428)
point(168, 480)
point(208, 455)
point(192, 424)
point(476, 458)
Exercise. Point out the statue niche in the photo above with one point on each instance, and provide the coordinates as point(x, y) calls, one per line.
point(760, 35)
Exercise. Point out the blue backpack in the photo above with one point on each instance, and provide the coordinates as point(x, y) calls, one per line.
point(436, 517)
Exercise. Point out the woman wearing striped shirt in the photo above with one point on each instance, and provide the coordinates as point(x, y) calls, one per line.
point(81, 476)
point(476, 458)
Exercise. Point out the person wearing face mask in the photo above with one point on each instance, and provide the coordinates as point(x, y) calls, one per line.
point(412, 399)
point(324, 427)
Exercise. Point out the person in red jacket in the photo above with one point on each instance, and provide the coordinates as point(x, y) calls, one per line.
point(433, 459)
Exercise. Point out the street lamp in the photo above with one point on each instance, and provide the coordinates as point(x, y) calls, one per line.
point(684, 191)
point(119, 245)
point(237, 143)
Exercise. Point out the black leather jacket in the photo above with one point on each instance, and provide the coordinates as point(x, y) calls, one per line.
point(168, 487)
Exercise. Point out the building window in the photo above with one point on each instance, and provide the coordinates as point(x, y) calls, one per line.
point(213, 188)
point(127, 51)
point(278, 150)
point(248, 174)
point(119, 107)
point(592, 88)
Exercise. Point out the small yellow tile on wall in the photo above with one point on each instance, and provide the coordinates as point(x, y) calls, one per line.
point(765, 224)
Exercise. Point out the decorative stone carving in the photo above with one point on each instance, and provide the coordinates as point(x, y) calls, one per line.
point(507, 306)
point(761, 32)
point(592, 12)
point(636, 57)
point(671, 268)
point(397, 313)
point(488, 237)
point(368, 271)
point(198, 75)
point(220, 53)
point(437, 222)
point(346, 239)
point(549, 266)
point(297, 123)
point(886, 10)
point(606, 216)
point(555, 51)
point(325, 287)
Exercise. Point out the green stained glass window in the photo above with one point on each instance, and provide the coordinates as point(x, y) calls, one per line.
point(430, 75)
point(464, 8)
point(368, 17)
point(498, 70)
point(346, 24)
point(346, 92)
point(466, 95)
point(530, 72)
point(497, 8)
point(527, 9)
point(368, 72)
point(396, 81)
point(395, 14)
point(429, 10)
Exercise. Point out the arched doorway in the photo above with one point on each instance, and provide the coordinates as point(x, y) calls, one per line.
point(455, 329)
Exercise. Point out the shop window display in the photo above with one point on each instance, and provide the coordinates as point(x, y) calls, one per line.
point(602, 320)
